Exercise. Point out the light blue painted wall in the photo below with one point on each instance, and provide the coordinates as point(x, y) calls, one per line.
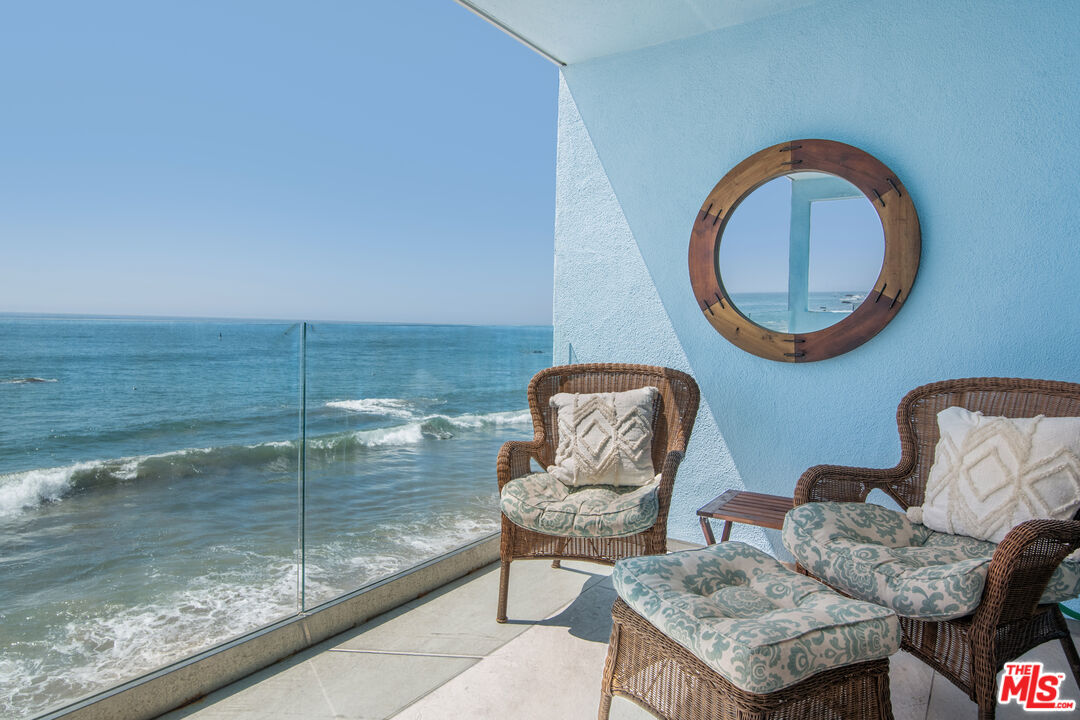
point(975, 105)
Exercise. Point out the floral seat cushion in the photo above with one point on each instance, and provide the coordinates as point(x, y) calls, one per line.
point(877, 554)
point(540, 502)
point(760, 625)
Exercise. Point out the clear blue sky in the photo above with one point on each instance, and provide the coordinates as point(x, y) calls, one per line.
point(325, 160)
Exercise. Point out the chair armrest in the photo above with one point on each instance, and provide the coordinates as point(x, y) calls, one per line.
point(1021, 568)
point(514, 459)
point(663, 498)
point(836, 483)
point(667, 476)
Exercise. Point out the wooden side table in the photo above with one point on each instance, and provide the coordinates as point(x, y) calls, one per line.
point(741, 506)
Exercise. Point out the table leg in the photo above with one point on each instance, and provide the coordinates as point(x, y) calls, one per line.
point(707, 529)
point(726, 532)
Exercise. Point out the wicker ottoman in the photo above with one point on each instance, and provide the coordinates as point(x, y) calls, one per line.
point(728, 632)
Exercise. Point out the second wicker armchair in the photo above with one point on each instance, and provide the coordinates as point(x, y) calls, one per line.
point(966, 606)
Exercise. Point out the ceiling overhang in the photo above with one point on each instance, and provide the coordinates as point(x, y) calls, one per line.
point(573, 31)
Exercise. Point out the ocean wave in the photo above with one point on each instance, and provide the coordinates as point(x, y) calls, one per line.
point(27, 380)
point(387, 407)
point(438, 427)
point(29, 489)
point(430, 424)
point(495, 419)
point(443, 427)
point(21, 491)
point(402, 435)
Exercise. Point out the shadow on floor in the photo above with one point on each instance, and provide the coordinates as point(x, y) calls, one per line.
point(588, 617)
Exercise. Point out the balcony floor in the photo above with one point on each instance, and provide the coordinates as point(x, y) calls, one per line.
point(444, 656)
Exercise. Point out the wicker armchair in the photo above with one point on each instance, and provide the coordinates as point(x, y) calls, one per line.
point(1009, 621)
point(674, 419)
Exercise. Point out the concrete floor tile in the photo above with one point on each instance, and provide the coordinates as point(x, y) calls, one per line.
point(909, 686)
point(334, 685)
point(382, 666)
point(369, 685)
point(588, 617)
point(948, 702)
point(460, 619)
point(444, 656)
point(623, 709)
point(551, 671)
point(246, 698)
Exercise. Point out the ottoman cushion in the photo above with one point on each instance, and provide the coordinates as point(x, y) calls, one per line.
point(760, 625)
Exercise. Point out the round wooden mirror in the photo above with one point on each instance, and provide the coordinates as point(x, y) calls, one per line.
point(812, 275)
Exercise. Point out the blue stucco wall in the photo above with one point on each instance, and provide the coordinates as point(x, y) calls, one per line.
point(975, 105)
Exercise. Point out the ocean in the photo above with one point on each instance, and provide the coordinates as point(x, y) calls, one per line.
point(770, 310)
point(149, 486)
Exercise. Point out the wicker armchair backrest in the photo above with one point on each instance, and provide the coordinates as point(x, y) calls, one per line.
point(679, 397)
point(916, 417)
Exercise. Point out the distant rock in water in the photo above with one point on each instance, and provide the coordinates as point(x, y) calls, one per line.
point(25, 380)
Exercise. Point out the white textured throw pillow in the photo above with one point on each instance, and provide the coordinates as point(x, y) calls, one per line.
point(605, 438)
point(992, 473)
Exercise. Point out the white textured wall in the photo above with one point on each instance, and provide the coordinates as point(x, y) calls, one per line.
point(607, 310)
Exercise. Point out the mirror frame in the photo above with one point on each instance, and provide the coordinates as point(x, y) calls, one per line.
point(903, 245)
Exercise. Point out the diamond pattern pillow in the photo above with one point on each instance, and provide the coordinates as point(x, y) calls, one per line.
point(992, 473)
point(605, 438)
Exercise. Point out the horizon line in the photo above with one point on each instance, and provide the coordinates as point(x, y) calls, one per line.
point(264, 320)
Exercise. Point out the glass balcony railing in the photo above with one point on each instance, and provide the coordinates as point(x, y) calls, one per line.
point(167, 486)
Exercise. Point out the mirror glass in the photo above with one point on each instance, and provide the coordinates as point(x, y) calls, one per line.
point(801, 252)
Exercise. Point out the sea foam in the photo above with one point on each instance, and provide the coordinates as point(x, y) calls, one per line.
point(108, 646)
point(98, 650)
point(387, 407)
point(20, 491)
